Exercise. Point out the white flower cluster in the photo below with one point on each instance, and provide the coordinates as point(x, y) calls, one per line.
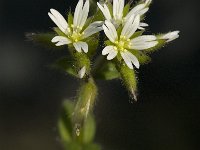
point(121, 44)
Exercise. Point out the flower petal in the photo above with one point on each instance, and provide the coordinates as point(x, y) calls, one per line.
point(118, 7)
point(92, 29)
point(121, 9)
point(79, 46)
point(111, 51)
point(127, 60)
point(170, 36)
point(115, 4)
point(148, 2)
point(81, 72)
point(130, 59)
point(104, 9)
point(59, 20)
point(142, 25)
point(110, 31)
point(144, 38)
point(143, 11)
point(140, 9)
point(84, 12)
point(60, 40)
point(143, 42)
point(135, 11)
point(131, 26)
point(78, 13)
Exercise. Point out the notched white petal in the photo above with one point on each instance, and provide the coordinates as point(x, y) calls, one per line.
point(140, 9)
point(126, 60)
point(104, 9)
point(130, 59)
point(135, 11)
point(59, 20)
point(143, 38)
point(82, 72)
point(84, 13)
point(111, 51)
point(144, 45)
point(118, 7)
point(131, 26)
point(92, 29)
point(110, 31)
point(170, 36)
point(78, 13)
point(143, 42)
point(60, 40)
point(79, 46)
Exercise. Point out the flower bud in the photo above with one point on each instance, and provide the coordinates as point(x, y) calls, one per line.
point(129, 79)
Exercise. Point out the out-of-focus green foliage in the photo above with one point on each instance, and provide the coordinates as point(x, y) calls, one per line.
point(43, 39)
point(66, 64)
point(65, 125)
point(106, 71)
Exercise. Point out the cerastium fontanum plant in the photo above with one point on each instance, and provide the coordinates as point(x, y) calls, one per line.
point(122, 27)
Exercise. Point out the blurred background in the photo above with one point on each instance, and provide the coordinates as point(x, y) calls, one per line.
point(166, 116)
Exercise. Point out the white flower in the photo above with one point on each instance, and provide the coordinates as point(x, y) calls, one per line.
point(74, 32)
point(170, 36)
point(123, 44)
point(118, 16)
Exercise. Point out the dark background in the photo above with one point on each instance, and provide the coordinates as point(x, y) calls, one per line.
point(166, 116)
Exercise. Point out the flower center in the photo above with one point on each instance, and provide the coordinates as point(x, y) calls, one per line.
point(76, 36)
point(122, 43)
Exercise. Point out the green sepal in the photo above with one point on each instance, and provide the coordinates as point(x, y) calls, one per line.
point(93, 6)
point(59, 32)
point(80, 59)
point(141, 56)
point(43, 39)
point(108, 42)
point(93, 43)
point(119, 30)
point(107, 71)
point(70, 18)
point(128, 77)
point(98, 16)
point(161, 43)
point(87, 23)
point(136, 34)
point(126, 9)
point(66, 64)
